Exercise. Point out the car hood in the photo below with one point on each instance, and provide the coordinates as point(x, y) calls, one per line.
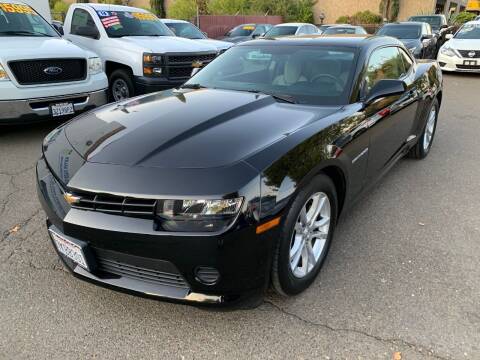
point(236, 39)
point(219, 45)
point(464, 44)
point(187, 129)
point(166, 44)
point(32, 47)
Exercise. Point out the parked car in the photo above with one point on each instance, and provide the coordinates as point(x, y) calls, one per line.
point(58, 25)
point(246, 32)
point(208, 192)
point(187, 30)
point(417, 37)
point(323, 27)
point(139, 52)
point(462, 51)
point(439, 25)
point(292, 29)
point(42, 75)
point(345, 29)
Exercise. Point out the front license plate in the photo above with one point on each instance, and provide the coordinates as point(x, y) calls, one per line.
point(62, 109)
point(470, 62)
point(69, 249)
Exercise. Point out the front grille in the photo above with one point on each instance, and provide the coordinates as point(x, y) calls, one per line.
point(30, 72)
point(179, 67)
point(115, 267)
point(117, 205)
point(190, 58)
point(465, 53)
point(468, 67)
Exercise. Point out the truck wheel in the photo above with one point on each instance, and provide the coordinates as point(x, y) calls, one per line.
point(121, 85)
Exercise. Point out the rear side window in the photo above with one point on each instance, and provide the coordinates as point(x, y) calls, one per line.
point(81, 18)
point(407, 60)
point(384, 63)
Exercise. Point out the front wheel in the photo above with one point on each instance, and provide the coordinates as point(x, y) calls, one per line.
point(121, 85)
point(424, 144)
point(305, 237)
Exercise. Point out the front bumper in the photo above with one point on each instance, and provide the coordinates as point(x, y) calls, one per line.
point(457, 64)
point(146, 85)
point(38, 109)
point(242, 257)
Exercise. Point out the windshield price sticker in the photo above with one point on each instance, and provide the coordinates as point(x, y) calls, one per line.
point(248, 28)
point(16, 8)
point(144, 16)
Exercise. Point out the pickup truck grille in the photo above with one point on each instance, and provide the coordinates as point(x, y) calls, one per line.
point(181, 66)
point(465, 53)
point(32, 72)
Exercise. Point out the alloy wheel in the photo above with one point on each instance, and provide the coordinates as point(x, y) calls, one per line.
point(310, 235)
point(429, 129)
point(120, 90)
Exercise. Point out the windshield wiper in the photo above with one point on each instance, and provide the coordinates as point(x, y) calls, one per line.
point(192, 86)
point(282, 97)
point(24, 33)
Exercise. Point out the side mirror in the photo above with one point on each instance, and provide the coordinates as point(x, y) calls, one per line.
point(385, 88)
point(444, 26)
point(88, 31)
point(254, 36)
point(60, 30)
point(449, 36)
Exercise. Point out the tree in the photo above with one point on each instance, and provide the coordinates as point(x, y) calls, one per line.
point(462, 18)
point(158, 8)
point(390, 9)
point(182, 9)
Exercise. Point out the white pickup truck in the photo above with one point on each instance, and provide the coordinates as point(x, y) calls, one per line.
point(42, 75)
point(140, 54)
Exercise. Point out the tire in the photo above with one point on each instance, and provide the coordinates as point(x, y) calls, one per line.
point(291, 281)
point(424, 143)
point(120, 85)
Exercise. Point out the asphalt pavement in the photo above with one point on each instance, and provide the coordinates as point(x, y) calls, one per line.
point(402, 279)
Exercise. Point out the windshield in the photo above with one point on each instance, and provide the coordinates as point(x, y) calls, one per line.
point(434, 21)
point(22, 20)
point(125, 23)
point(242, 30)
point(304, 74)
point(469, 31)
point(186, 30)
point(338, 30)
point(400, 31)
point(282, 31)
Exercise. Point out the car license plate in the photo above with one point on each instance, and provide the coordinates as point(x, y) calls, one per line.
point(470, 62)
point(69, 249)
point(62, 109)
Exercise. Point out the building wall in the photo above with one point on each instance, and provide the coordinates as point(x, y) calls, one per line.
point(415, 7)
point(333, 9)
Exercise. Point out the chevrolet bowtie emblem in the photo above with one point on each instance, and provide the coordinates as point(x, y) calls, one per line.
point(197, 64)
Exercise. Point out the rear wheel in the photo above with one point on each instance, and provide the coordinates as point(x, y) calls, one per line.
point(424, 144)
point(305, 237)
point(121, 85)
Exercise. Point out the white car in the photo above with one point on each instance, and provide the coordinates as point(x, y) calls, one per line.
point(187, 30)
point(292, 29)
point(42, 75)
point(139, 52)
point(462, 51)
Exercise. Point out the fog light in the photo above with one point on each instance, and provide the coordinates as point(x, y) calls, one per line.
point(207, 275)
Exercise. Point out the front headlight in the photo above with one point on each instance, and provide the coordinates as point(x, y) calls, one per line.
point(3, 74)
point(447, 51)
point(95, 66)
point(152, 64)
point(197, 215)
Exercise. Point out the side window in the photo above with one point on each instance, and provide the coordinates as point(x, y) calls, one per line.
point(259, 30)
point(384, 63)
point(407, 60)
point(81, 18)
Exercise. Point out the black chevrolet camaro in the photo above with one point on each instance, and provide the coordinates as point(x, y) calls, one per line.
point(235, 181)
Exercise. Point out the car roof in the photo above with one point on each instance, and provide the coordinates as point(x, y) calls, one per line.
point(407, 23)
point(350, 40)
point(111, 7)
point(293, 24)
point(175, 21)
point(344, 26)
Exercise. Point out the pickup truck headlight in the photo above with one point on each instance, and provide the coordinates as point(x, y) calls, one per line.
point(447, 51)
point(152, 64)
point(197, 215)
point(95, 66)
point(3, 74)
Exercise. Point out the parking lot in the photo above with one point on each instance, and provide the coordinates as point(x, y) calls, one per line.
point(402, 278)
